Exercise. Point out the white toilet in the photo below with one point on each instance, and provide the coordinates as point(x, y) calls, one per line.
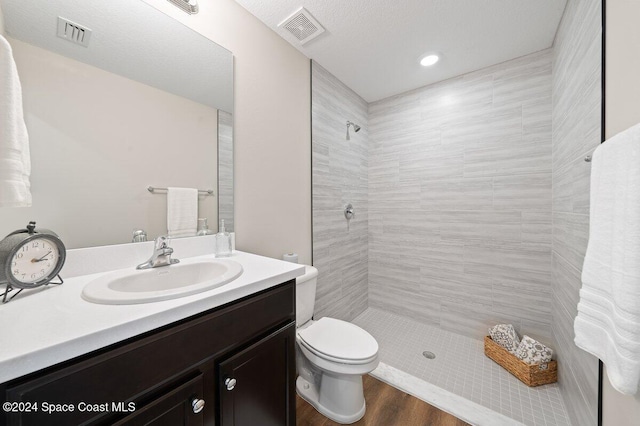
point(331, 356)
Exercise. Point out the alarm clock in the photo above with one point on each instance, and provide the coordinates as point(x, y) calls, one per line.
point(31, 257)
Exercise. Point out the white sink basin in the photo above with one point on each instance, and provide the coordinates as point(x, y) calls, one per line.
point(130, 286)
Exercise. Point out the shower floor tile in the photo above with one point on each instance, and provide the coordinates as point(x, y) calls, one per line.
point(461, 367)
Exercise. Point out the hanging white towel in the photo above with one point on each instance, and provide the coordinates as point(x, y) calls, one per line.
point(182, 212)
point(608, 321)
point(15, 161)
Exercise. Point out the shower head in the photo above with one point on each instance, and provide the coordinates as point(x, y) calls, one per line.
point(356, 128)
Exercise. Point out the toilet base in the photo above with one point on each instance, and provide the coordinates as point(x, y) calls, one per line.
point(351, 404)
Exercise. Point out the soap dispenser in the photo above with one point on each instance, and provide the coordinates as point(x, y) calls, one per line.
point(223, 242)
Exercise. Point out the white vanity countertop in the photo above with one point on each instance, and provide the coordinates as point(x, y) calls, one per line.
point(55, 324)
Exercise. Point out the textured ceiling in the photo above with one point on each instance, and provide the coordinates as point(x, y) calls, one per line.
point(374, 46)
point(132, 39)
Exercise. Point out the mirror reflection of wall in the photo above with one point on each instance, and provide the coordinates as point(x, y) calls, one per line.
point(225, 169)
point(99, 138)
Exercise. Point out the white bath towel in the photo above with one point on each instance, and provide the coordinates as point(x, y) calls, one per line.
point(182, 212)
point(15, 161)
point(608, 321)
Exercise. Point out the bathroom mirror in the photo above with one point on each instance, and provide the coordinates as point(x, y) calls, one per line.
point(125, 99)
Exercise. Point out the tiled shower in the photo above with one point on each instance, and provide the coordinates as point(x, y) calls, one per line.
point(460, 206)
point(471, 199)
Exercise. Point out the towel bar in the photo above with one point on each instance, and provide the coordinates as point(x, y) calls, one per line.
point(153, 189)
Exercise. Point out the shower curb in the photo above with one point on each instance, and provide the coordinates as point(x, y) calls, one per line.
point(456, 405)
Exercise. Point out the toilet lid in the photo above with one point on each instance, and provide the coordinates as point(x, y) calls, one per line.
point(339, 339)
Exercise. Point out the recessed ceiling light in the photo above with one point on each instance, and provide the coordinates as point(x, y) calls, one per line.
point(429, 60)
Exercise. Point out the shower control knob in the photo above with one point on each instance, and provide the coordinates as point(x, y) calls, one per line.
point(230, 383)
point(349, 213)
point(197, 405)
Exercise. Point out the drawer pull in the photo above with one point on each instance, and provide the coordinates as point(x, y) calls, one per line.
point(230, 383)
point(197, 404)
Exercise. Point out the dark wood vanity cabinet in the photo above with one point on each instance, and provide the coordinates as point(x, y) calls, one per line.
point(245, 398)
point(233, 365)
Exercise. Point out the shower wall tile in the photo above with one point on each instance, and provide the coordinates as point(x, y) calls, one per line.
point(575, 134)
point(524, 80)
point(397, 288)
point(483, 225)
point(570, 237)
point(571, 186)
point(536, 120)
point(457, 194)
point(340, 176)
point(522, 192)
point(567, 283)
point(577, 361)
point(514, 298)
point(442, 251)
point(579, 380)
point(460, 227)
point(472, 320)
point(529, 264)
point(449, 283)
point(537, 228)
point(541, 331)
point(519, 157)
point(494, 128)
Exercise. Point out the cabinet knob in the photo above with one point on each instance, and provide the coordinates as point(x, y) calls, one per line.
point(197, 404)
point(230, 383)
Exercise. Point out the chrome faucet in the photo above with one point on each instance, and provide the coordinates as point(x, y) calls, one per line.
point(161, 255)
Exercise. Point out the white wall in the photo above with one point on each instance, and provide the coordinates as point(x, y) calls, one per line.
point(272, 129)
point(93, 155)
point(622, 111)
point(1, 22)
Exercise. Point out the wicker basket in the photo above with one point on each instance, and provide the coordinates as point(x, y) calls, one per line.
point(530, 375)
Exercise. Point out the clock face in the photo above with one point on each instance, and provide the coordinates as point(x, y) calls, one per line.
point(35, 260)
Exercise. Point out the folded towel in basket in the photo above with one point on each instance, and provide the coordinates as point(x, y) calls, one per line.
point(533, 352)
point(505, 335)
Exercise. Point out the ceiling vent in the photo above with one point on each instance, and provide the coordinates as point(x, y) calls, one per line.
point(302, 26)
point(189, 6)
point(73, 32)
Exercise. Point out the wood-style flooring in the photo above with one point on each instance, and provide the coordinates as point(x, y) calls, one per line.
point(386, 406)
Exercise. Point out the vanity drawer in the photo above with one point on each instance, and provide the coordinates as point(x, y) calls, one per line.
point(143, 366)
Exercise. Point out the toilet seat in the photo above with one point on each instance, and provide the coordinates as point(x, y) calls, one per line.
point(339, 341)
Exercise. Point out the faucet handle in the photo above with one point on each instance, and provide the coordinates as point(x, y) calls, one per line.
point(139, 235)
point(162, 242)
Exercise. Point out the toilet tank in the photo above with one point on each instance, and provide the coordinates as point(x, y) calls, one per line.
point(306, 294)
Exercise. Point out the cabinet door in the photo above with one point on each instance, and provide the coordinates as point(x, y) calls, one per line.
point(257, 385)
point(181, 406)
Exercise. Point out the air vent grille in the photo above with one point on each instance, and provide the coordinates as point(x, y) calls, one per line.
point(73, 32)
point(189, 6)
point(302, 26)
